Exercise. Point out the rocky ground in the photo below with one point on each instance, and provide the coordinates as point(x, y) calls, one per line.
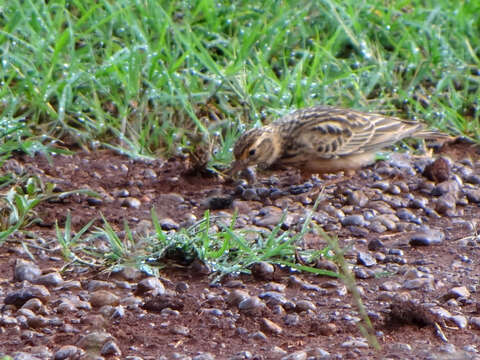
point(409, 224)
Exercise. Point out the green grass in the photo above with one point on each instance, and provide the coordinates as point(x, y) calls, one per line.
point(167, 77)
point(18, 204)
point(214, 241)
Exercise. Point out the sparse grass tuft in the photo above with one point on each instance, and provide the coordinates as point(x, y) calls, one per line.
point(17, 205)
point(348, 278)
point(219, 245)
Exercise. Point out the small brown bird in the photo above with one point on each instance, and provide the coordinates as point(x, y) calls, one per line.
point(322, 139)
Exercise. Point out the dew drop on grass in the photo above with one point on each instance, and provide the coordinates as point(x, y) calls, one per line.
point(94, 144)
point(367, 54)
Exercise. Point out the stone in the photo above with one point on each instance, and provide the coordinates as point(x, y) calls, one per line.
point(50, 279)
point(268, 217)
point(375, 245)
point(34, 305)
point(251, 303)
point(459, 320)
point(249, 194)
point(304, 305)
point(110, 348)
point(364, 258)
point(273, 297)
point(390, 286)
point(218, 202)
point(131, 202)
point(262, 270)
point(168, 224)
point(94, 285)
point(150, 284)
point(458, 292)
point(473, 195)
point(355, 343)
point(354, 220)
point(437, 171)
point(421, 283)
point(270, 326)
point(204, 356)
point(446, 204)
point(26, 270)
point(236, 297)
point(94, 341)
point(427, 238)
point(297, 355)
point(20, 297)
point(475, 322)
point(357, 198)
point(103, 297)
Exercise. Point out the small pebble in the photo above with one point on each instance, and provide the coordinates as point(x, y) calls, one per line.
point(427, 238)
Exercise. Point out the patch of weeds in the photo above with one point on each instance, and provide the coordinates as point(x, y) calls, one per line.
point(212, 241)
point(17, 205)
point(227, 250)
point(68, 240)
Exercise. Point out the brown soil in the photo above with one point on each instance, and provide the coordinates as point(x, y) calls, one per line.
point(111, 174)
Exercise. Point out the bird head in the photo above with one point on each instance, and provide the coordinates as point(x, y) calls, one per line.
point(259, 146)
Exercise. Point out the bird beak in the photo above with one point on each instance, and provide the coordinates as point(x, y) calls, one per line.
point(236, 167)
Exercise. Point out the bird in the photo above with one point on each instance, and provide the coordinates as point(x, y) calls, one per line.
point(322, 139)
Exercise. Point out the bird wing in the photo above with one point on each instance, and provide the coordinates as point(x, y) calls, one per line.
point(332, 132)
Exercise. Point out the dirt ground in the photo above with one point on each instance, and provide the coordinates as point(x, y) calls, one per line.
point(229, 332)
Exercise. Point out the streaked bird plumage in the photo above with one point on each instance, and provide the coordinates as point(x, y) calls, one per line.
point(322, 139)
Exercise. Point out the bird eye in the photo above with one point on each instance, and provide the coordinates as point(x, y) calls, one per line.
point(251, 152)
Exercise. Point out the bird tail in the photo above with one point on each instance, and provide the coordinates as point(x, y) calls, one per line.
point(433, 135)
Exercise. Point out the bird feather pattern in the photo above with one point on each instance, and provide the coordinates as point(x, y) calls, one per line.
point(323, 138)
